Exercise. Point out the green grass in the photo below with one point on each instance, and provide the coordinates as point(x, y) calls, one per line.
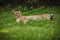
point(33, 30)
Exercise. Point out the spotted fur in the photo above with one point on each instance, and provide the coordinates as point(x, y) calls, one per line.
point(25, 19)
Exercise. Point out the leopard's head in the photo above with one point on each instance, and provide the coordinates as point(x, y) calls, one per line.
point(17, 13)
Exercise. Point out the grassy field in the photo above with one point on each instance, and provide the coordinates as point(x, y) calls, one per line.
point(33, 30)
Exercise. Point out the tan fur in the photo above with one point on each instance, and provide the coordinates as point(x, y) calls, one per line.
point(17, 13)
point(33, 17)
